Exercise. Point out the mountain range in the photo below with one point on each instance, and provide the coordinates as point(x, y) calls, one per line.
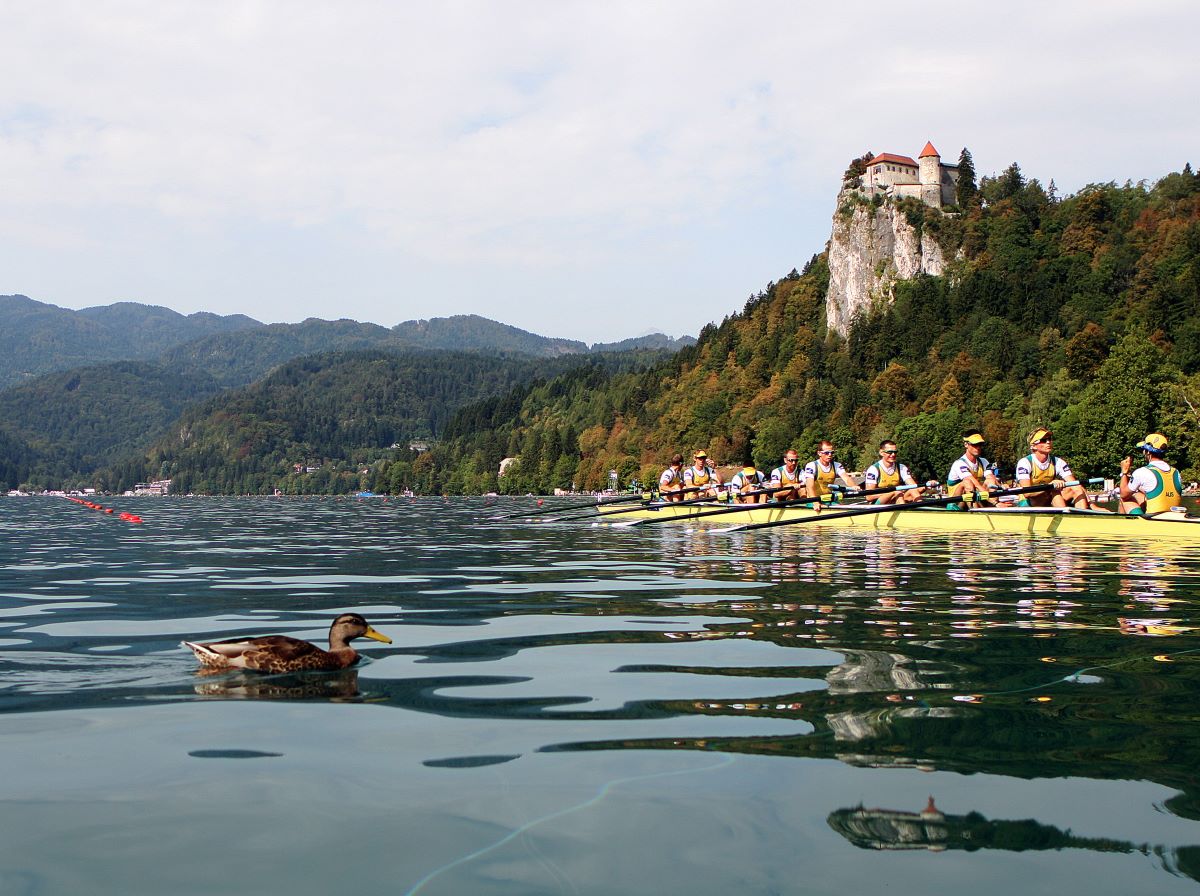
point(37, 338)
point(82, 390)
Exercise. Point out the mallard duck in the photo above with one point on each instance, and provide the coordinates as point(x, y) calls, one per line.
point(279, 653)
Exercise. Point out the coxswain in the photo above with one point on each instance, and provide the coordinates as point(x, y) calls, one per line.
point(1040, 467)
point(789, 478)
point(822, 473)
point(970, 472)
point(888, 472)
point(1153, 488)
point(746, 486)
point(700, 479)
point(670, 483)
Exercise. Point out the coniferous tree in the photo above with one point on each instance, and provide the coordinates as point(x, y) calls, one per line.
point(966, 189)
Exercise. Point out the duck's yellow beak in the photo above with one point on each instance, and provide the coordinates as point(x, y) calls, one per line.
point(375, 636)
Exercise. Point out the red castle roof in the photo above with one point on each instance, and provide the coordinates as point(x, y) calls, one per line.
point(894, 159)
point(929, 151)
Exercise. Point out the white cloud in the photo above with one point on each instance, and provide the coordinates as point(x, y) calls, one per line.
point(500, 154)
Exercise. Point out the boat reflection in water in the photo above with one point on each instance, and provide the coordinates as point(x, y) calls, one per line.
point(933, 830)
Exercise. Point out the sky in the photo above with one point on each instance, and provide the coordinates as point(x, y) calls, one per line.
point(585, 170)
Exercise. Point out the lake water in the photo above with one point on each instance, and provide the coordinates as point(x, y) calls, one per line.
point(575, 709)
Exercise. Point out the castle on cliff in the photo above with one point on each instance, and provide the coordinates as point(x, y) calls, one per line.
point(927, 179)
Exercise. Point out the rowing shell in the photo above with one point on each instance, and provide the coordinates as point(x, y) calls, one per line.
point(1003, 520)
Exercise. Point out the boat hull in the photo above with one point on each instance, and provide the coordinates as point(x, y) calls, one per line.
point(1007, 521)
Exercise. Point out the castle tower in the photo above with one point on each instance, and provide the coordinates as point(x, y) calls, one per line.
point(931, 176)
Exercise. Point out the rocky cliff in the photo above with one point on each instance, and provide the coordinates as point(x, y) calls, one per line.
point(872, 247)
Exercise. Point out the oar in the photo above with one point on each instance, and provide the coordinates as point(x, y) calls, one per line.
point(981, 495)
point(795, 502)
point(864, 492)
point(765, 491)
point(566, 519)
point(640, 496)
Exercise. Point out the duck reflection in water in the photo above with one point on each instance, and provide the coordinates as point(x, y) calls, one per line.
point(931, 829)
point(333, 686)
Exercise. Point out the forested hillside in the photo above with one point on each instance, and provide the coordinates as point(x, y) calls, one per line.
point(333, 423)
point(1079, 313)
point(71, 423)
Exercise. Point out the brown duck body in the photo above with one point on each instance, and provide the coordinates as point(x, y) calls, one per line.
point(279, 653)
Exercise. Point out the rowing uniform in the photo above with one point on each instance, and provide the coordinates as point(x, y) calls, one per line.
point(1160, 483)
point(879, 476)
point(705, 476)
point(823, 476)
point(782, 479)
point(670, 479)
point(1029, 467)
point(963, 467)
point(1038, 473)
point(960, 470)
point(741, 481)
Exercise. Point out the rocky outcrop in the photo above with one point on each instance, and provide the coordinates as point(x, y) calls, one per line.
point(872, 248)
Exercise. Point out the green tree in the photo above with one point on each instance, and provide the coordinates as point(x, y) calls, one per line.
point(1128, 398)
point(966, 188)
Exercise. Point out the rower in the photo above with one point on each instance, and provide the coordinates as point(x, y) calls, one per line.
point(1154, 488)
point(789, 478)
point(746, 486)
point(888, 472)
point(822, 473)
point(703, 479)
point(1040, 467)
point(670, 483)
point(970, 472)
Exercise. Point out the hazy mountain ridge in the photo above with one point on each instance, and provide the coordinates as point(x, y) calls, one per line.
point(62, 425)
point(37, 338)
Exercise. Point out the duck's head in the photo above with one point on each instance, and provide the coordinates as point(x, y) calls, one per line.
point(349, 626)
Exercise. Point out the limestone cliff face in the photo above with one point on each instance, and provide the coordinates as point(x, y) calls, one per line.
point(869, 251)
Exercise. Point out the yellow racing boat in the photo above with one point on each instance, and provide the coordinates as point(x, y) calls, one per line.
point(1002, 520)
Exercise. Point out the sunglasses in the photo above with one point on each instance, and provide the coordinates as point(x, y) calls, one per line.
point(824, 452)
point(887, 451)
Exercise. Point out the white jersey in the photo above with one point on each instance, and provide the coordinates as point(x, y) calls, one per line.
point(781, 477)
point(1144, 481)
point(740, 481)
point(1029, 467)
point(670, 478)
point(815, 470)
point(871, 477)
point(694, 477)
point(962, 468)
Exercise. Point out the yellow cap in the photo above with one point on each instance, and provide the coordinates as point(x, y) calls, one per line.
point(974, 438)
point(1155, 442)
point(1039, 434)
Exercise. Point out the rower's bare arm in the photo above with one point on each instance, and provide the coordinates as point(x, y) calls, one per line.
point(1127, 491)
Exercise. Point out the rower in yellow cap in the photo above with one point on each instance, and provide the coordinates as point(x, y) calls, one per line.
point(970, 472)
point(746, 486)
point(1041, 467)
point(1153, 488)
point(701, 480)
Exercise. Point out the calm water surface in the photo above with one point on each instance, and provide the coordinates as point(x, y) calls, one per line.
point(576, 709)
